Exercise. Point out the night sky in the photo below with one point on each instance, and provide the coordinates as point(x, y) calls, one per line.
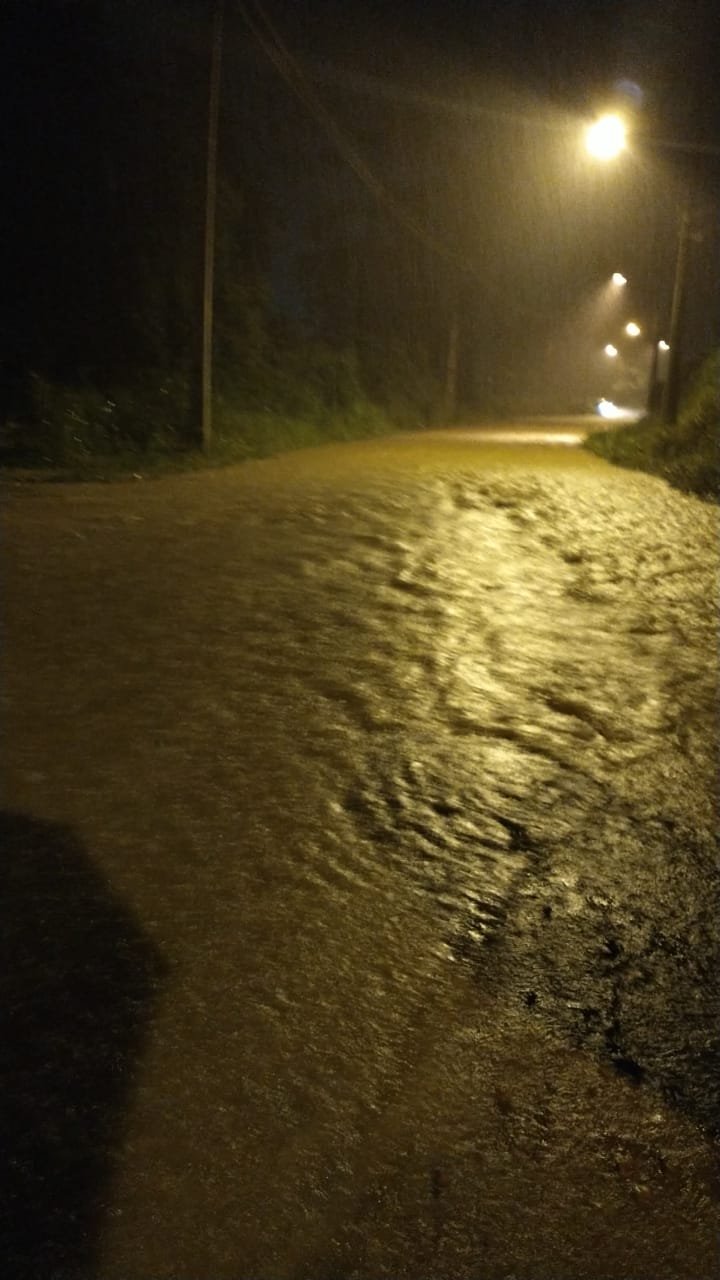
point(467, 116)
point(569, 51)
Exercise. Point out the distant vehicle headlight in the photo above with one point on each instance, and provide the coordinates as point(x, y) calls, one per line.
point(607, 409)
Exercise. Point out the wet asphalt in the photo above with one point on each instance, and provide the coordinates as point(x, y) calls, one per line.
point(363, 893)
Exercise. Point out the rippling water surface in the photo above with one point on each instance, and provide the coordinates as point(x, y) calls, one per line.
point(321, 721)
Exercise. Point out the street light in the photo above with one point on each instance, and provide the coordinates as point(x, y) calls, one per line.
point(632, 329)
point(663, 345)
point(618, 278)
point(606, 138)
point(610, 350)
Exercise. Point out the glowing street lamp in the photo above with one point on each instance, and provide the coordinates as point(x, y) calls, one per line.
point(610, 350)
point(663, 345)
point(632, 329)
point(618, 278)
point(606, 138)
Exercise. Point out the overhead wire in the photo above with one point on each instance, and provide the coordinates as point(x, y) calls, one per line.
point(376, 87)
point(291, 72)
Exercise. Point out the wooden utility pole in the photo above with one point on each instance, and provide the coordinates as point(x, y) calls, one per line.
point(206, 427)
point(654, 390)
point(671, 389)
point(451, 366)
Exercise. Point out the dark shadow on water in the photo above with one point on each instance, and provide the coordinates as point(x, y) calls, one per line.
point(78, 979)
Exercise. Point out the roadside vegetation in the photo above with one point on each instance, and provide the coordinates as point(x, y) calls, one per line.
point(328, 321)
point(304, 396)
point(687, 454)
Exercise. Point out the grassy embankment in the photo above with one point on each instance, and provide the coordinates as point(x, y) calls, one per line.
point(84, 434)
point(687, 454)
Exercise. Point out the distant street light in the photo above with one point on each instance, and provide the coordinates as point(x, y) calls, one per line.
point(610, 350)
point(606, 138)
point(618, 278)
point(663, 346)
point(632, 329)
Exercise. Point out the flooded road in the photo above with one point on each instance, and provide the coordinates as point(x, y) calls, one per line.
point(401, 756)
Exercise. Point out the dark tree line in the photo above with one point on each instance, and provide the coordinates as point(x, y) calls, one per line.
point(317, 299)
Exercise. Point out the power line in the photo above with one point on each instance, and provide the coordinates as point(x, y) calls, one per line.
point(374, 86)
point(291, 72)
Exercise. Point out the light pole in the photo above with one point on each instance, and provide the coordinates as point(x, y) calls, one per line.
point(671, 387)
point(451, 366)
